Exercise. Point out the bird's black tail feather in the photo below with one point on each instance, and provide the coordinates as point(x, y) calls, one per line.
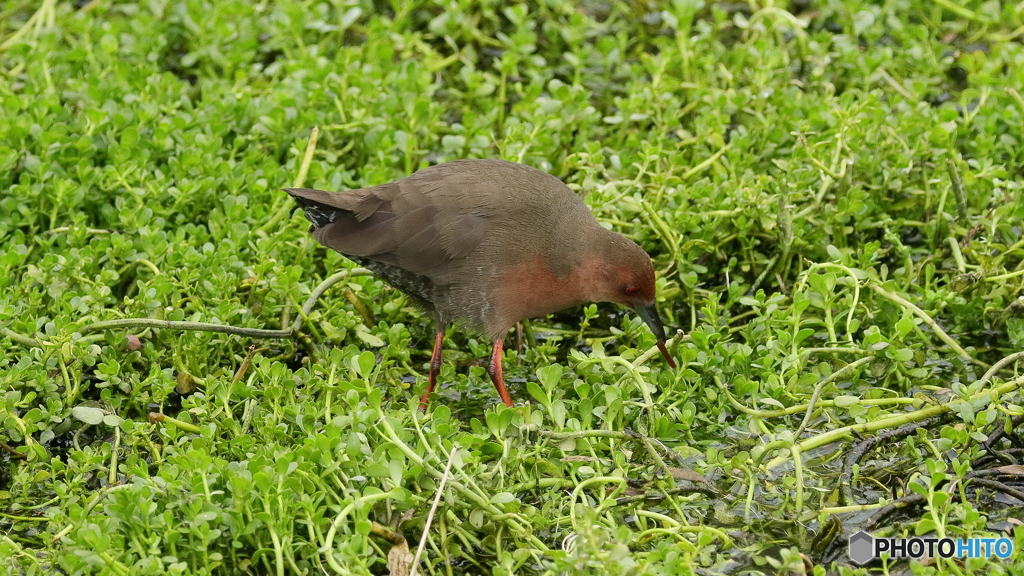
point(318, 214)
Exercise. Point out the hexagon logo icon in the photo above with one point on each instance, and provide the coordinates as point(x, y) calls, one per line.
point(862, 548)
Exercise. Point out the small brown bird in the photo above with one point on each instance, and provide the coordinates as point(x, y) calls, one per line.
point(485, 243)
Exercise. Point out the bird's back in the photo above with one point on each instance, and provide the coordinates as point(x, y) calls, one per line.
point(443, 234)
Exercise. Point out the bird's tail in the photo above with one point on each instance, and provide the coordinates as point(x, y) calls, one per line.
point(317, 212)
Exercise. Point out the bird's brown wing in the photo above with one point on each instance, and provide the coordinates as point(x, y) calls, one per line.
point(412, 224)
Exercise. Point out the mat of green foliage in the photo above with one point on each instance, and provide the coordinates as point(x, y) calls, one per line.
point(831, 192)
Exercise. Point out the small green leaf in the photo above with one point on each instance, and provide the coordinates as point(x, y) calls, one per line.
point(206, 516)
point(901, 354)
point(537, 393)
point(862, 21)
point(440, 413)
point(88, 414)
point(558, 413)
point(369, 338)
point(966, 411)
point(904, 326)
point(350, 16)
point(846, 401)
point(112, 420)
point(924, 525)
point(505, 417)
point(550, 375)
point(364, 363)
point(817, 283)
point(1015, 331)
point(803, 334)
point(502, 498)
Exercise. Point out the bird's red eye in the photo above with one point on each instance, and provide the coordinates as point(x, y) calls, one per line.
point(632, 290)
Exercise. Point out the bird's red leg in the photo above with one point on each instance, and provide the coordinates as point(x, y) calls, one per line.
point(435, 369)
point(494, 371)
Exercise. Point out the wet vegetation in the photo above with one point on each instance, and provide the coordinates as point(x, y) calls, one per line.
point(831, 192)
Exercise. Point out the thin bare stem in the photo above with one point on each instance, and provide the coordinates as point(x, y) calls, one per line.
point(654, 351)
point(958, 190)
point(707, 162)
point(927, 320)
point(220, 328)
point(433, 509)
point(821, 385)
point(23, 340)
point(1017, 100)
point(999, 365)
point(896, 420)
point(185, 326)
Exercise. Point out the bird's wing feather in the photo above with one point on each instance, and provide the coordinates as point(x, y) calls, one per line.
point(418, 223)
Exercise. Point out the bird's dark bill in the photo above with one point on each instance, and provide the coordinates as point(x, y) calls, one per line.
point(649, 314)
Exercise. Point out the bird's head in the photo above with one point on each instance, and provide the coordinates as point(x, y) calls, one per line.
point(627, 278)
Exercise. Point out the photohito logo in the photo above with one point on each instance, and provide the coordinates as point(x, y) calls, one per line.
point(864, 547)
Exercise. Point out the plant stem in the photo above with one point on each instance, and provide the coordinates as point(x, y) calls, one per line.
point(927, 320)
point(958, 190)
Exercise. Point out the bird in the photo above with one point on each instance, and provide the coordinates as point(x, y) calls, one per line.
point(484, 243)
